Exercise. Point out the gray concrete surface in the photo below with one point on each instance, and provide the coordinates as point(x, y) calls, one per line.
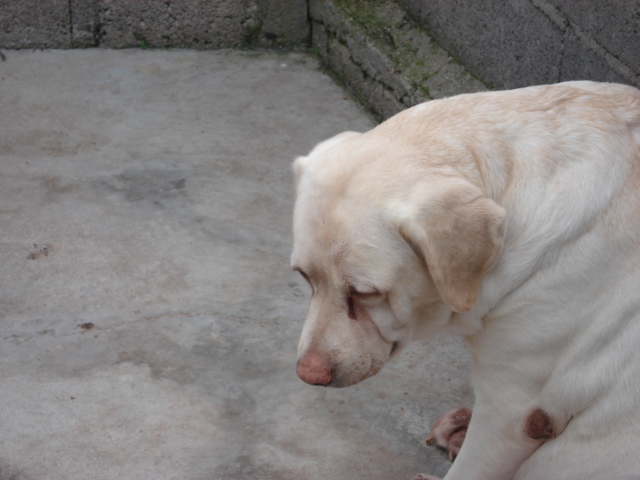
point(148, 315)
point(527, 42)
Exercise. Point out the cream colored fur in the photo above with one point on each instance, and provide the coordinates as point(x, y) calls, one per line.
point(510, 218)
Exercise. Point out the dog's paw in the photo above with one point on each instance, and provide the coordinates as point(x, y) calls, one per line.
point(422, 476)
point(449, 431)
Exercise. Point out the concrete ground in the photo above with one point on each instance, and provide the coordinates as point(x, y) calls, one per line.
point(148, 314)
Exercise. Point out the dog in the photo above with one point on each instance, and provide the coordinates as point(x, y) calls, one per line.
point(512, 219)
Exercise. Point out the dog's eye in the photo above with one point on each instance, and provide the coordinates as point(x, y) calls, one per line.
point(366, 298)
point(366, 294)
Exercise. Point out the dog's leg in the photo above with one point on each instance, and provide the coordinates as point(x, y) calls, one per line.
point(500, 437)
point(449, 431)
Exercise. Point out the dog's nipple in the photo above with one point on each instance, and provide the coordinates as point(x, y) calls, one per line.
point(539, 425)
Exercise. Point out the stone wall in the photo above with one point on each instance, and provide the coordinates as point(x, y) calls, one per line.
point(375, 49)
point(394, 54)
point(153, 23)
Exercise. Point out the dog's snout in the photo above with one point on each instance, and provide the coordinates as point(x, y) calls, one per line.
point(315, 369)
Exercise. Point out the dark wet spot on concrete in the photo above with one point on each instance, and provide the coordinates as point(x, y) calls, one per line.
point(245, 466)
point(137, 357)
point(39, 251)
point(9, 473)
point(178, 184)
point(158, 185)
point(55, 186)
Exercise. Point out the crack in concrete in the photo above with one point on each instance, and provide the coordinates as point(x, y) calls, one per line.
point(560, 21)
point(601, 52)
point(568, 27)
point(71, 21)
point(88, 327)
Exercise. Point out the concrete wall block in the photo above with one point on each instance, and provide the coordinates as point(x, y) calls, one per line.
point(615, 25)
point(375, 64)
point(579, 62)
point(197, 23)
point(357, 63)
point(521, 42)
point(451, 80)
point(286, 22)
point(319, 39)
point(35, 24)
point(375, 96)
point(389, 103)
point(339, 62)
point(325, 14)
point(85, 23)
point(381, 55)
point(342, 55)
point(507, 44)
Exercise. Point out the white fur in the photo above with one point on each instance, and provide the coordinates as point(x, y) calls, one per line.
point(556, 322)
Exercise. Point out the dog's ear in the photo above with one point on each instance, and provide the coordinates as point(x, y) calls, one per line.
point(300, 163)
point(459, 234)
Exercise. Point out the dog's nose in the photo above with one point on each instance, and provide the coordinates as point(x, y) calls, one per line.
point(315, 369)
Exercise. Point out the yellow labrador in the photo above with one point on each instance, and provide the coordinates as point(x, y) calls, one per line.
point(510, 218)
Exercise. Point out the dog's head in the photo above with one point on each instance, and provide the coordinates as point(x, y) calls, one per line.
point(390, 245)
